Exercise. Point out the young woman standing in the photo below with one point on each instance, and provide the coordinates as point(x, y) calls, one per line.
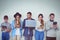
point(39, 30)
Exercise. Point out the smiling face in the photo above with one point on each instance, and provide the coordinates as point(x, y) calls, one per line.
point(17, 17)
point(40, 18)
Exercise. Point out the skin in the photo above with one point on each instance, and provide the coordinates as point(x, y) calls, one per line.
point(52, 18)
point(17, 21)
point(39, 19)
point(17, 18)
point(5, 20)
point(29, 16)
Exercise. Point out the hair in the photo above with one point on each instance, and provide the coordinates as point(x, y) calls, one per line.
point(29, 13)
point(40, 15)
point(17, 14)
point(52, 14)
point(42, 21)
point(5, 17)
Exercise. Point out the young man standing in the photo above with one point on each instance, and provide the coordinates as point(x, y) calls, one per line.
point(28, 31)
point(5, 28)
point(51, 28)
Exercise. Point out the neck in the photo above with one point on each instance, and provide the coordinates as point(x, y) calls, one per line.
point(29, 18)
point(51, 20)
point(6, 22)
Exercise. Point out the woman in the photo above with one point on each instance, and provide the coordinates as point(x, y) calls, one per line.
point(17, 27)
point(39, 30)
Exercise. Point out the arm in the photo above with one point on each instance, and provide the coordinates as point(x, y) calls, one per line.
point(2, 27)
point(12, 25)
point(47, 27)
point(23, 24)
point(9, 28)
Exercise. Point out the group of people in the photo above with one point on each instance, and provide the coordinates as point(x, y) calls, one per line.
point(17, 25)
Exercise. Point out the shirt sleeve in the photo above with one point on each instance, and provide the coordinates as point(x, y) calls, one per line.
point(12, 25)
point(47, 26)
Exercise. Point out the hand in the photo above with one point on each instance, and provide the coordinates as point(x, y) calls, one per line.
point(40, 28)
point(8, 30)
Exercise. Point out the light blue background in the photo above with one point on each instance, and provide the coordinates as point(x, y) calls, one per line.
point(10, 7)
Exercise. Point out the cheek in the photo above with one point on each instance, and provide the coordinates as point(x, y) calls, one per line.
point(40, 18)
point(52, 17)
point(55, 25)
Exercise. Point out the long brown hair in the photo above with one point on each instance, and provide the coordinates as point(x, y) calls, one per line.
point(42, 21)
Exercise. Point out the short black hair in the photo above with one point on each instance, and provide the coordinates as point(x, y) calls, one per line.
point(29, 13)
point(5, 17)
point(17, 14)
point(40, 15)
point(52, 14)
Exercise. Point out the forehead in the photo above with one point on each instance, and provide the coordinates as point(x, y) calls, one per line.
point(52, 15)
point(28, 14)
point(6, 19)
point(17, 16)
point(40, 16)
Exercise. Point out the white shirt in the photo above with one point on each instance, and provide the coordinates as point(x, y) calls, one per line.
point(38, 25)
point(17, 31)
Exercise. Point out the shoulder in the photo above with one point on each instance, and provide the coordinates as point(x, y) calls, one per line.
point(32, 19)
point(25, 19)
point(2, 23)
point(47, 21)
point(12, 22)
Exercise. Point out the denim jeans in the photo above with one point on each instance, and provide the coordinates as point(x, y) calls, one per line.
point(39, 35)
point(5, 36)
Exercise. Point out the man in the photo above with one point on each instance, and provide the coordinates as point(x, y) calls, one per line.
point(6, 28)
point(51, 28)
point(28, 31)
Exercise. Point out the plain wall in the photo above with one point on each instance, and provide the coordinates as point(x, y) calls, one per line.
point(10, 7)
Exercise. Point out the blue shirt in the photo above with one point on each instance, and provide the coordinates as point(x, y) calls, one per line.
point(14, 29)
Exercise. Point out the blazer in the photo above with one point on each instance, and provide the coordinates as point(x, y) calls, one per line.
point(27, 28)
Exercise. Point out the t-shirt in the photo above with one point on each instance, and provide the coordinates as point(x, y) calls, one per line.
point(50, 32)
point(8, 25)
point(38, 25)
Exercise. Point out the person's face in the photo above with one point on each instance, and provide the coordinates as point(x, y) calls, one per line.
point(52, 17)
point(17, 17)
point(28, 16)
point(40, 18)
point(5, 20)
